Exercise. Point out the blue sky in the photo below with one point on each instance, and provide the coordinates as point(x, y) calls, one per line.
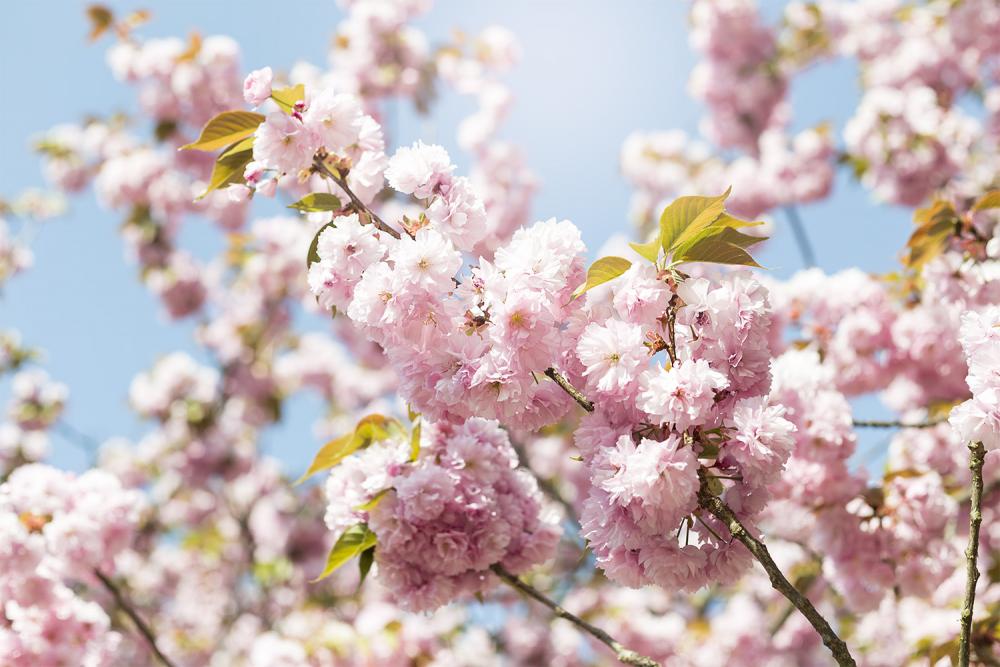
point(591, 73)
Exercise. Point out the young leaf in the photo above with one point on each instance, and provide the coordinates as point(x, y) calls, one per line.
point(317, 201)
point(936, 224)
point(312, 256)
point(415, 440)
point(650, 250)
point(230, 165)
point(370, 429)
point(725, 246)
point(101, 18)
point(990, 200)
point(287, 97)
point(373, 503)
point(686, 216)
point(224, 129)
point(355, 540)
point(601, 271)
point(365, 563)
point(329, 455)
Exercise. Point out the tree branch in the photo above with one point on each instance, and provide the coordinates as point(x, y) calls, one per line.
point(130, 611)
point(875, 423)
point(358, 204)
point(801, 238)
point(624, 655)
point(574, 393)
point(722, 512)
point(977, 454)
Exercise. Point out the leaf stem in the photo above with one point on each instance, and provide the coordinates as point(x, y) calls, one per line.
point(977, 455)
point(574, 393)
point(721, 511)
point(624, 655)
point(130, 611)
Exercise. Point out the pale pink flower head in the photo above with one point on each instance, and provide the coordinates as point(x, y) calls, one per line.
point(613, 354)
point(684, 395)
point(428, 261)
point(419, 169)
point(335, 119)
point(762, 440)
point(284, 143)
point(257, 86)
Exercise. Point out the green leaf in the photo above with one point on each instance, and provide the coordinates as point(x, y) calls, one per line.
point(355, 540)
point(329, 455)
point(224, 129)
point(601, 271)
point(650, 251)
point(230, 165)
point(686, 216)
point(989, 200)
point(370, 429)
point(725, 246)
point(365, 563)
point(935, 225)
point(373, 503)
point(415, 440)
point(317, 201)
point(313, 255)
point(287, 97)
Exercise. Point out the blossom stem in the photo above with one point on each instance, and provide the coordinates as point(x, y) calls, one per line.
point(130, 611)
point(574, 393)
point(875, 423)
point(721, 511)
point(977, 456)
point(358, 204)
point(801, 238)
point(624, 655)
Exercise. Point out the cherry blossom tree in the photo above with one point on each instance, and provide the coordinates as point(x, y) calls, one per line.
point(530, 458)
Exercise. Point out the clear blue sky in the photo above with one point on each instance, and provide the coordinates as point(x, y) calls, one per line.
point(591, 73)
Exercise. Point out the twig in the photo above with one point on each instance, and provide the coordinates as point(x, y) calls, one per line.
point(130, 611)
point(875, 423)
point(722, 512)
point(977, 454)
point(358, 204)
point(624, 655)
point(546, 486)
point(574, 393)
point(801, 238)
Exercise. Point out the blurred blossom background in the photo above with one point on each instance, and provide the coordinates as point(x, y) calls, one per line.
point(590, 73)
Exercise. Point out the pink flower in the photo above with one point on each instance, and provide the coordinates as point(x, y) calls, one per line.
point(284, 144)
point(418, 169)
point(613, 354)
point(682, 396)
point(257, 86)
point(334, 119)
point(762, 440)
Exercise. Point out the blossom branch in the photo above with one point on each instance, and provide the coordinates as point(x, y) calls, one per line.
point(875, 423)
point(977, 455)
point(379, 223)
point(130, 611)
point(574, 393)
point(624, 655)
point(721, 511)
point(801, 237)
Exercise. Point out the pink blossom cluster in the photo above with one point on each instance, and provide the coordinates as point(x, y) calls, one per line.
point(654, 424)
point(978, 419)
point(57, 529)
point(740, 79)
point(446, 517)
